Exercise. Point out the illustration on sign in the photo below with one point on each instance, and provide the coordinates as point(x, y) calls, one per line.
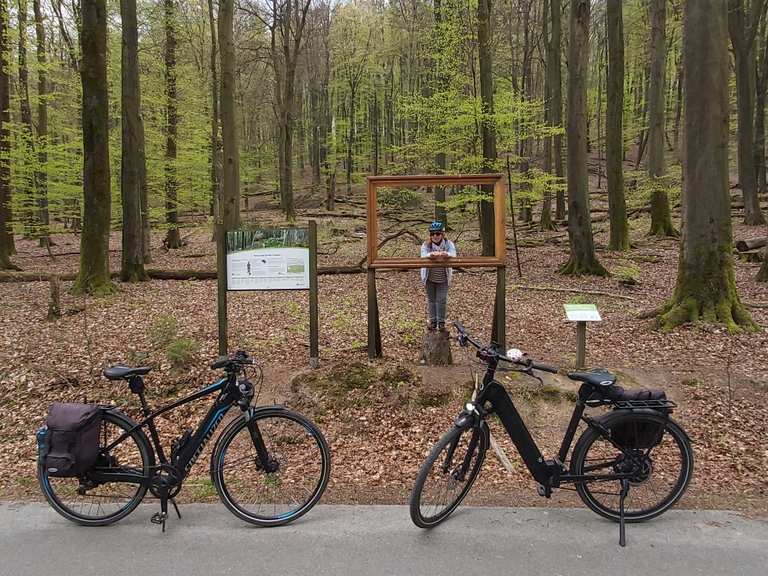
point(268, 259)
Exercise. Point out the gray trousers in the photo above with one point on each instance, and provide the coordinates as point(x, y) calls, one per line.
point(437, 297)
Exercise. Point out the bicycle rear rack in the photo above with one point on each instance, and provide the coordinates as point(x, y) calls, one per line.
point(655, 404)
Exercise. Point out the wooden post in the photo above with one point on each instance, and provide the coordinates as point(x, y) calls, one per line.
point(374, 331)
point(499, 328)
point(581, 344)
point(221, 271)
point(54, 305)
point(314, 355)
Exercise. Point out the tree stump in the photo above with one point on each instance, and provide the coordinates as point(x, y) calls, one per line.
point(436, 349)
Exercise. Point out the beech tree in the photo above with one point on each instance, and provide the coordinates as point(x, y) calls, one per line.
point(583, 259)
point(7, 247)
point(488, 131)
point(706, 288)
point(172, 236)
point(93, 276)
point(132, 169)
point(614, 128)
point(743, 26)
point(287, 21)
point(661, 216)
point(41, 176)
point(229, 198)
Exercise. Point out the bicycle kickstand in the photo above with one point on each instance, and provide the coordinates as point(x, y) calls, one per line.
point(622, 496)
point(176, 507)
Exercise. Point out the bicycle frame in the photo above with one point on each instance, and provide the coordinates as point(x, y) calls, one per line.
point(548, 473)
point(188, 454)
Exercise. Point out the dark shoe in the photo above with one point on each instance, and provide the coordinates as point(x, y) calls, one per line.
point(431, 326)
point(441, 326)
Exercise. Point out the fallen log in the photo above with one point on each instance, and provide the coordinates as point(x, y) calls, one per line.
point(157, 274)
point(751, 244)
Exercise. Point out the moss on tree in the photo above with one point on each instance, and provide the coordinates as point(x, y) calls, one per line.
point(589, 266)
point(706, 292)
point(661, 216)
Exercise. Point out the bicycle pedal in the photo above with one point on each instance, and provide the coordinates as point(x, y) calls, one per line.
point(544, 491)
point(159, 518)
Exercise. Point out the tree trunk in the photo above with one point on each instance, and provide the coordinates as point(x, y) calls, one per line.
point(743, 34)
point(488, 130)
point(582, 259)
point(545, 221)
point(93, 276)
point(762, 86)
point(229, 200)
point(41, 174)
point(215, 142)
point(28, 188)
point(614, 124)
point(172, 236)
point(762, 274)
point(661, 215)
point(705, 288)
point(554, 69)
point(7, 247)
point(350, 139)
point(375, 132)
point(132, 267)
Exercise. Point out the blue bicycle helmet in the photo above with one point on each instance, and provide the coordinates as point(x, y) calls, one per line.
point(436, 226)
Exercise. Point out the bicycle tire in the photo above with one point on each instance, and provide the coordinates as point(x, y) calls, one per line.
point(457, 442)
point(299, 450)
point(661, 472)
point(93, 508)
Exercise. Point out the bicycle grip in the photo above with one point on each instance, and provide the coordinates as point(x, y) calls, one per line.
point(544, 367)
point(220, 362)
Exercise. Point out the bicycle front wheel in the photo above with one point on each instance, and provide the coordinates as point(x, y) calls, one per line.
point(658, 471)
point(93, 503)
point(447, 475)
point(271, 469)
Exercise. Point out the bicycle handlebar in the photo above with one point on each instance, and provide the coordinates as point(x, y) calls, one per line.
point(488, 352)
point(233, 361)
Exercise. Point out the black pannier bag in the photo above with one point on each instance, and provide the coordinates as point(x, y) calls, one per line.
point(637, 435)
point(69, 443)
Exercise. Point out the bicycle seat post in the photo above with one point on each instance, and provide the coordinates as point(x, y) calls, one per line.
point(136, 384)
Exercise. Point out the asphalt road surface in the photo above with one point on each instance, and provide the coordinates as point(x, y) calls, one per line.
point(380, 540)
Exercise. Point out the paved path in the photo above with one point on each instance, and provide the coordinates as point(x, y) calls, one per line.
point(380, 540)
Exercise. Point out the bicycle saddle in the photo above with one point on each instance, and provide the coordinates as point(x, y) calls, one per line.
point(599, 377)
point(124, 372)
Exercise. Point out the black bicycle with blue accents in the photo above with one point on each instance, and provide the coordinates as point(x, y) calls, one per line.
point(269, 466)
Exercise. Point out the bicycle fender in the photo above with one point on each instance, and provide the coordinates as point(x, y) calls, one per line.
point(254, 410)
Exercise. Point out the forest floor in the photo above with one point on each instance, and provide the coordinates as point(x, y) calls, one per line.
point(381, 417)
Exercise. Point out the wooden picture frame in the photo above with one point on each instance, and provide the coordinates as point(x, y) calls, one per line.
point(499, 196)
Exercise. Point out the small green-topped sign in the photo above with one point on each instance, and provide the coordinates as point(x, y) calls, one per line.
point(582, 313)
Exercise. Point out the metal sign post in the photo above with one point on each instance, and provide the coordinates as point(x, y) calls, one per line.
point(581, 314)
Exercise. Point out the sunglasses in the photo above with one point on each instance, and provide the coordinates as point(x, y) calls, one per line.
point(435, 233)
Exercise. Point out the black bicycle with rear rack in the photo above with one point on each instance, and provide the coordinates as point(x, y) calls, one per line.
point(269, 465)
point(630, 464)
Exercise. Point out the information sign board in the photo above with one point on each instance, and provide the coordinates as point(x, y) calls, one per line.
point(582, 313)
point(268, 259)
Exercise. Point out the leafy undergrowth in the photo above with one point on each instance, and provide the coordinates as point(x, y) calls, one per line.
point(381, 418)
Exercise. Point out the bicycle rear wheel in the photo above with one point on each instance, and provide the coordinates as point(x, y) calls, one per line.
point(90, 503)
point(298, 466)
point(447, 475)
point(658, 473)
